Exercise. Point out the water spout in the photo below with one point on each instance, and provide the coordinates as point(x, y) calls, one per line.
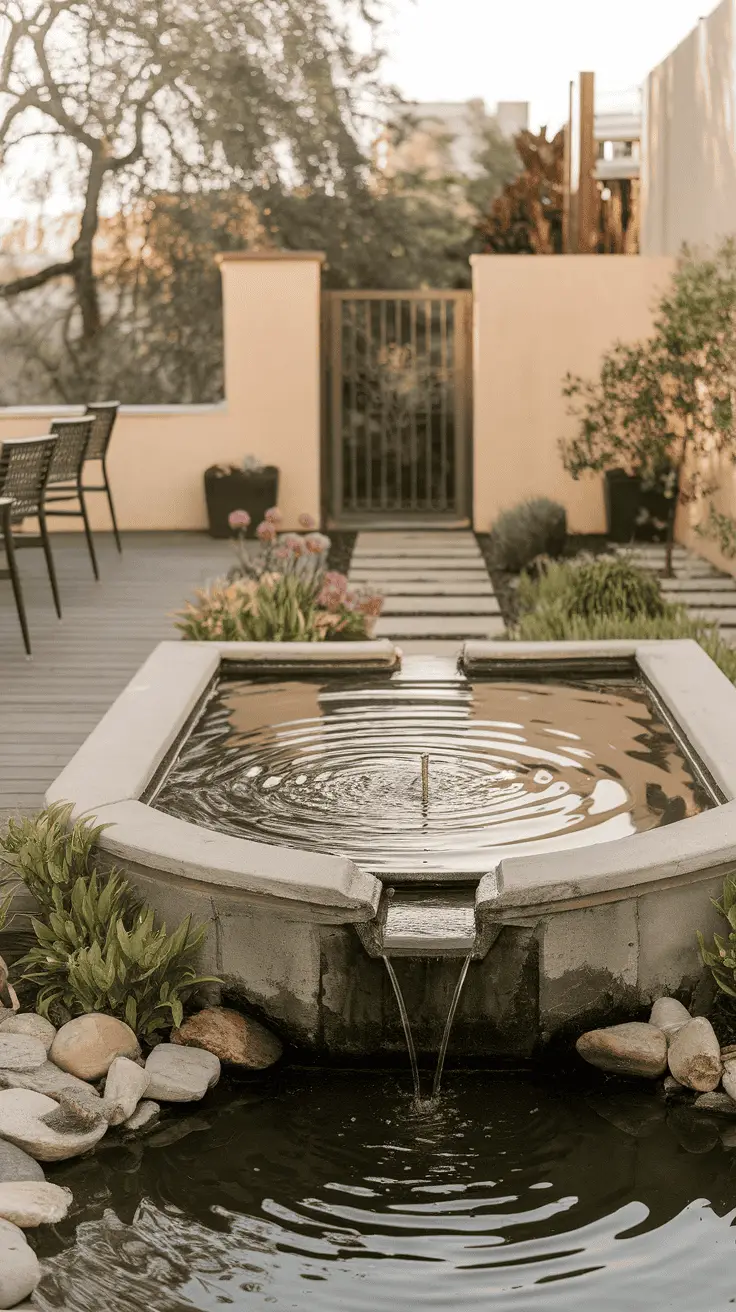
point(407, 1027)
point(437, 1084)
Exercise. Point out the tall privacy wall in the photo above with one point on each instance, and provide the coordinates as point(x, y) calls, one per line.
point(536, 318)
point(689, 177)
point(272, 408)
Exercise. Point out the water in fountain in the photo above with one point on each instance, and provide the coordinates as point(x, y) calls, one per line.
point(342, 765)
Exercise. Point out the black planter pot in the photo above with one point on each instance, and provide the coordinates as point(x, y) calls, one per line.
point(625, 499)
point(238, 490)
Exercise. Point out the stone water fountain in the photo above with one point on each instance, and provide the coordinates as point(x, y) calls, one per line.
point(524, 842)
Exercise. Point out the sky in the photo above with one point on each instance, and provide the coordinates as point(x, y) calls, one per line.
point(530, 49)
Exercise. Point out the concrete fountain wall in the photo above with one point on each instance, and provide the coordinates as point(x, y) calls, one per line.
point(560, 941)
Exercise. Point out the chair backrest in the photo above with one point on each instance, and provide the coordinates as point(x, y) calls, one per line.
point(24, 470)
point(104, 414)
point(73, 439)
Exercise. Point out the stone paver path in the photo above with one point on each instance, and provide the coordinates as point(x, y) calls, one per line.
point(707, 593)
point(436, 587)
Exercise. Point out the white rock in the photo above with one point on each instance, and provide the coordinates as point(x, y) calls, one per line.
point(19, 1052)
point(21, 1123)
point(181, 1074)
point(719, 1103)
point(633, 1049)
point(125, 1085)
point(48, 1079)
point(88, 1045)
point(19, 1269)
point(26, 1203)
point(694, 1056)
point(669, 1016)
point(30, 1024)
point(144, 1115)
point(729, 1079)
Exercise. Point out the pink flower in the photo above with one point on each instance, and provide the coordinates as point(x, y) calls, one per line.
point(238, 519)
point(307, 521)
point(273, 516)
point(370, 605)
point(282, 553)
point(266, 532)
point(295, 544)
point(316, 543)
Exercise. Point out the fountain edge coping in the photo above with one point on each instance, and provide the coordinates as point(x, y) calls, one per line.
point(109, 773)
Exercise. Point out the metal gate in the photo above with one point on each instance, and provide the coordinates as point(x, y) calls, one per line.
point(397, 411)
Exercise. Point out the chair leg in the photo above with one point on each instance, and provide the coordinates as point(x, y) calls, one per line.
point(50, 562)
point(17, 590)
point(106, 481)
point(88, 534)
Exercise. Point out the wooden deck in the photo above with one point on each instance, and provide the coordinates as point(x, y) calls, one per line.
point(80, 663)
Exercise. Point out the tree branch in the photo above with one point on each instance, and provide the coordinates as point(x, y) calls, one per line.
point(31, 280)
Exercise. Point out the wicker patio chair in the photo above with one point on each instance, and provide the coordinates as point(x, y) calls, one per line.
point(104, 414)
point(24, 469)
point(64, 482)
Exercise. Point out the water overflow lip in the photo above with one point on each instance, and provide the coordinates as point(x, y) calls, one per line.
point(432, 778)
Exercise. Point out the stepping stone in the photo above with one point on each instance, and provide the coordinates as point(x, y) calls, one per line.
point(721, 615)
point(720, 584)
point(425, 605)
point(420, 588)
point(420, 569)
point(705, 598)
point(440, 626)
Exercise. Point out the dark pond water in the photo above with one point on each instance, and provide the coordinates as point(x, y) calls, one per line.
point(327, 1191)
point(336, 765)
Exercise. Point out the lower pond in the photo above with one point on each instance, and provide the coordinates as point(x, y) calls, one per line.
point(328, 1190)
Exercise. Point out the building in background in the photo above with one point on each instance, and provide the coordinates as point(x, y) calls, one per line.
point(689, 175)
point(602, 171)
point(443, 137)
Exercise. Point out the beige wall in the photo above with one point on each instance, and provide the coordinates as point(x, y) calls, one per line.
point(536, 318)
point(689, 175)
point(272, 410)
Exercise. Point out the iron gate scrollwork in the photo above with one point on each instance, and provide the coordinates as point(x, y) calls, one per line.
point(397, 405)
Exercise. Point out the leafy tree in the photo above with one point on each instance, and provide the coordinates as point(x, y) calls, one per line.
point(134, 95)
point(664, 408)
point(527, 217)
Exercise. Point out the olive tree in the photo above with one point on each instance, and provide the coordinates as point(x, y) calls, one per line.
point(663, 408)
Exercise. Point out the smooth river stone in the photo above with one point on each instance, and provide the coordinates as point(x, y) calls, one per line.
point(21, 1122)
point(232, 1037)
point(125, 1085)
point(181, 1074)
point(30, 1024)
point(28, 1203)
point(88, 1045)
point(19, 1268)
point(729, 1078)
point(669, 1015)
point(48, 1079)
point(19, 1052)
point(718, 1103)
point(694, 1056)
point(631, 1049)
point(17, 1165)
point(145, 1115)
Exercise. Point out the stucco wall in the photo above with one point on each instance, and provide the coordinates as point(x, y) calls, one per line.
point(272, 370)
point(536, 318)
point(689, 174)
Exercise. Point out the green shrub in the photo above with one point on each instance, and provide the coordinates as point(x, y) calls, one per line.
point(722, 961)
point(97, 947)
point(612, 585)
point(537, 527)
point(546, 616)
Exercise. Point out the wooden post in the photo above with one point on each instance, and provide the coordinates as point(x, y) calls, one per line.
point(587, 190)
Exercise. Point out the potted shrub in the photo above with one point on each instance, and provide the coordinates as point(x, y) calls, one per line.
point(662, 410)
point(252, 487)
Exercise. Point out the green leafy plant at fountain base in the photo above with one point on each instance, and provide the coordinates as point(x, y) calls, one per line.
point(97, 945)
point(722, 961)
point(549, 611)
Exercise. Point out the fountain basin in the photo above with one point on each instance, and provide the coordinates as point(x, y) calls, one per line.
point(560, 938)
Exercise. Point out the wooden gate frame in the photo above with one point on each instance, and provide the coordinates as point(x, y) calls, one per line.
point(333, 515)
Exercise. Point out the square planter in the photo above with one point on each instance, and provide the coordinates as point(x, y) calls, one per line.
point(239, 490)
